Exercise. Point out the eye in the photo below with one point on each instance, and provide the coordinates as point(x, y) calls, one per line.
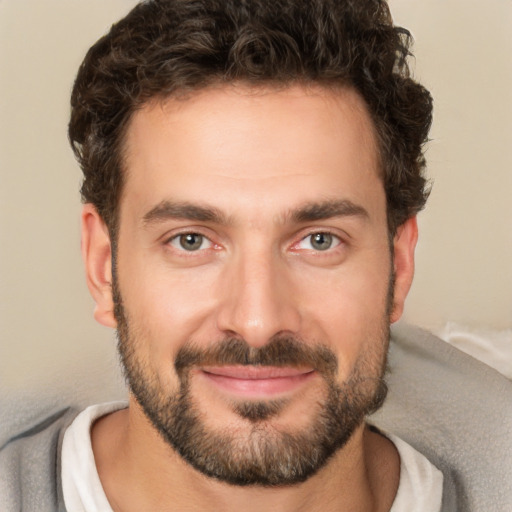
point(190, 242)
point(321, 241)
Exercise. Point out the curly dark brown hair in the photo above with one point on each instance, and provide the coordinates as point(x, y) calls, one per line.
point(168, 48)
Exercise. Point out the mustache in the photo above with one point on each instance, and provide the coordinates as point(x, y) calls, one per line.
point(280, 351)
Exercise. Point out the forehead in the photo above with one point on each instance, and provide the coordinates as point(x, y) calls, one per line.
point(232, 146)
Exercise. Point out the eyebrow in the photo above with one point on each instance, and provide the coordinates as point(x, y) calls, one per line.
point(308, 212)
point(166, 210)
point(311, 212)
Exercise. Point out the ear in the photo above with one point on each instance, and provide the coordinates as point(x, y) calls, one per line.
point(404, 244)
point(97, 256)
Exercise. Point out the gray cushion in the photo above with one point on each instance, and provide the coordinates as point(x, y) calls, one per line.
point(458, 412)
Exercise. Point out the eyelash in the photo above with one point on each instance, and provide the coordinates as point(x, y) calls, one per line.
point(335, 239)
point(176, 239)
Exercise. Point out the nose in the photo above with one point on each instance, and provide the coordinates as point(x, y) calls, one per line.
point(258, 302)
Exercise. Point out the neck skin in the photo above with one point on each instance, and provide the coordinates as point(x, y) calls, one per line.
point(140, 471)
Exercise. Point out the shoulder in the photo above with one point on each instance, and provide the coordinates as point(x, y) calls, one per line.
point(29, 464)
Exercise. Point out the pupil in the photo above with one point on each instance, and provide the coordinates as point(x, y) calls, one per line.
point(191, 241)
point(321, 241)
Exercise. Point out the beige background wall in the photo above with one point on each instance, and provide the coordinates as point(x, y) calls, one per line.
point(464, 259)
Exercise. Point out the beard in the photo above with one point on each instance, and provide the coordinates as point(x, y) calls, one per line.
point(261, 453)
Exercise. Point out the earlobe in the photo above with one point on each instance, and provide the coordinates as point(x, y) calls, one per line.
point(97, 256)
point(404, 245)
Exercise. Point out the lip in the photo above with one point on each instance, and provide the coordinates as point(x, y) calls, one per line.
point(257, 381)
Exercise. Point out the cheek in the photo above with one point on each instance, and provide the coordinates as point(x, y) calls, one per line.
point(348, 312)
point(169, 306)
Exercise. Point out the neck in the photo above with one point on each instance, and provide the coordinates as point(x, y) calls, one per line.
point(140, 471)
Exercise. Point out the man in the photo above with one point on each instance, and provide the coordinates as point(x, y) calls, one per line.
point(252, 172)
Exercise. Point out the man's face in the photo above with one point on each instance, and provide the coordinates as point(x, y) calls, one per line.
point(253, 276)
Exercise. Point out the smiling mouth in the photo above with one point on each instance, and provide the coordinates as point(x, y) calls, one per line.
point(257, 381)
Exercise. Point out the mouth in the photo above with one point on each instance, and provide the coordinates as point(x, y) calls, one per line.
point(257, 381)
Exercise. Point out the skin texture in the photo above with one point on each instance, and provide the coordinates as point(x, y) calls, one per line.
point(256, 161)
